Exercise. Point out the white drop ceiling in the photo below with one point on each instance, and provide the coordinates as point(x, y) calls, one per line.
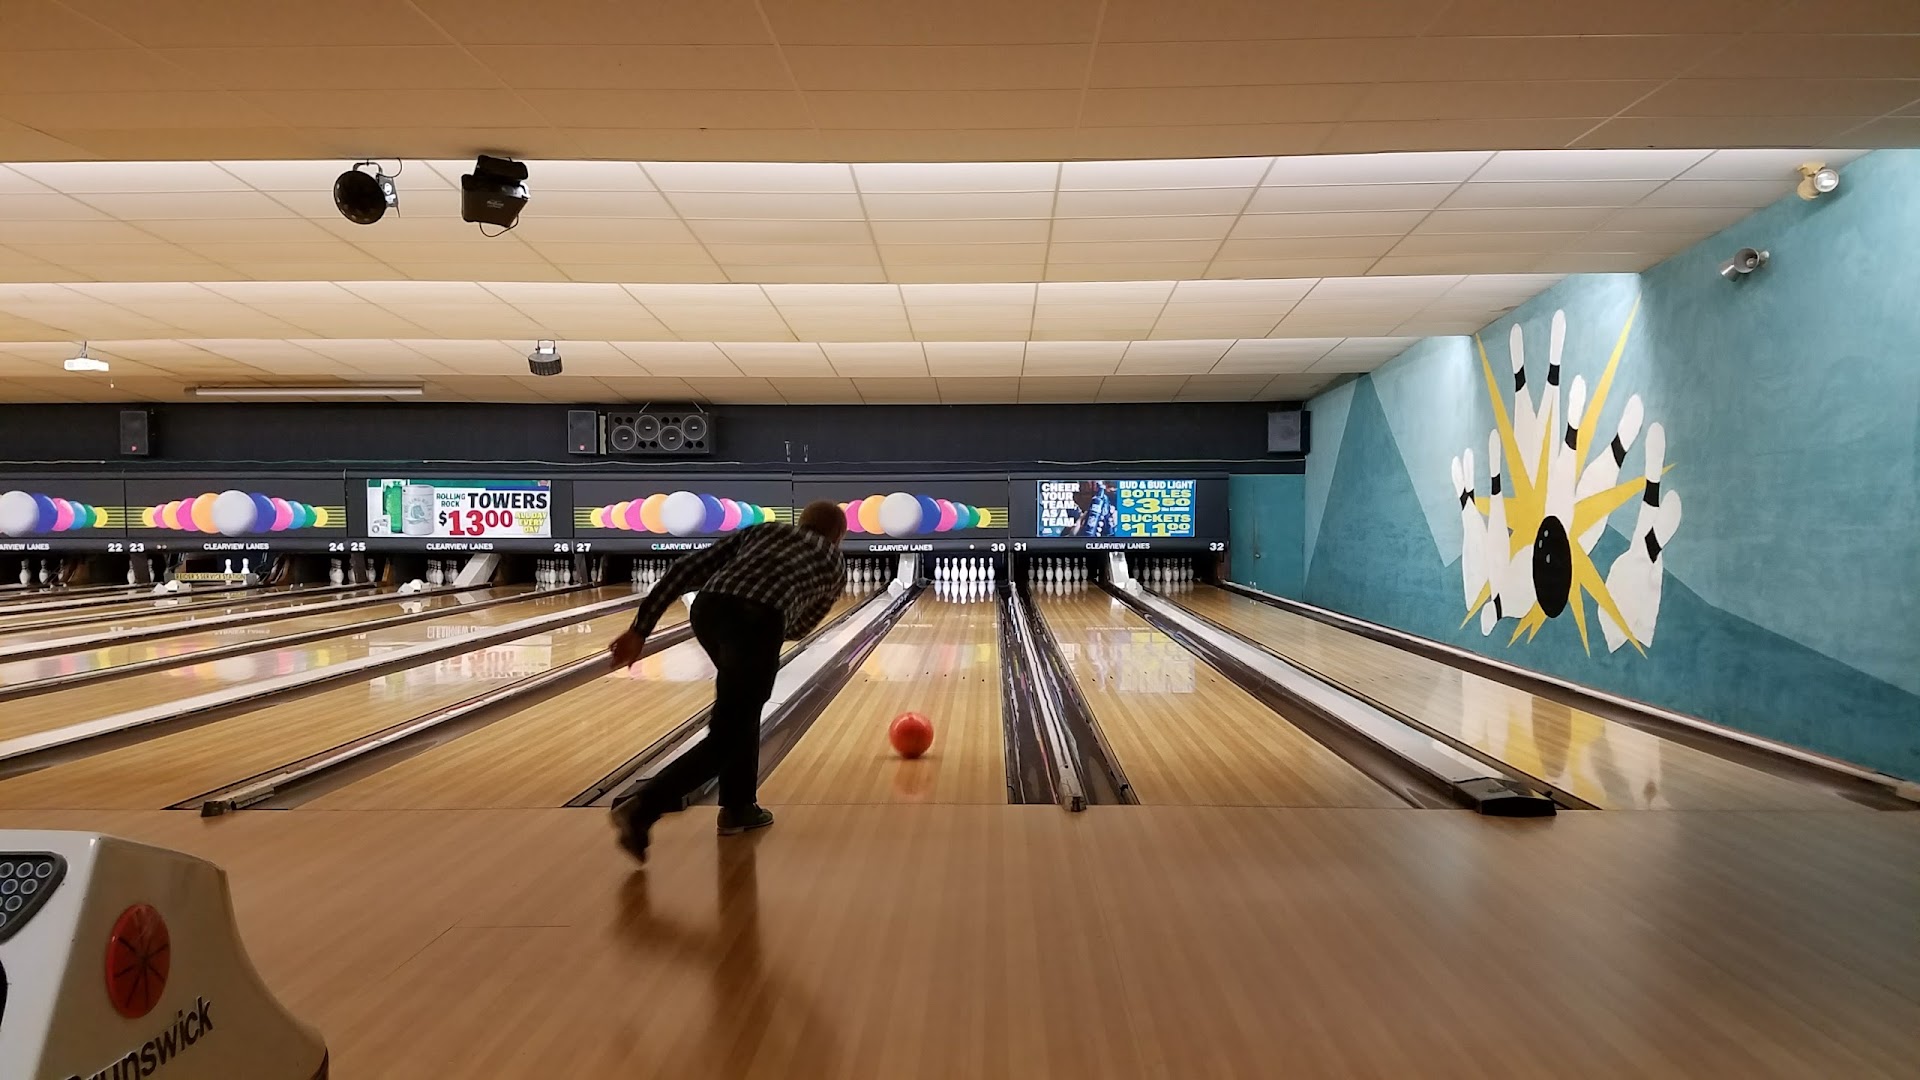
point(1211, 279)
point(915, 80)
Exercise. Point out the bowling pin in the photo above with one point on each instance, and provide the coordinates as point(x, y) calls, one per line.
point(335, 575)
point(1563, 462)
point(433, 572)
point(1498, 552)
point(44, 576)
point(132, 578)
point(1526, 431)
point(1604, 471)
point(1546, 415)
point(1634, 579)
point(1473, 529)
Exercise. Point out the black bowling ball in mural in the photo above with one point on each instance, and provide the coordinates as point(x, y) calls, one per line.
point(1552, 567)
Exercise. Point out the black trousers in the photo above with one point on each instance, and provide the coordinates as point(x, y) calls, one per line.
point(742, 638)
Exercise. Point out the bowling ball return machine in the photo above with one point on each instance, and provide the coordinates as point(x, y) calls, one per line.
point(121, 961)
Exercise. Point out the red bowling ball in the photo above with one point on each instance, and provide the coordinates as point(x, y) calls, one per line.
point(911, 734)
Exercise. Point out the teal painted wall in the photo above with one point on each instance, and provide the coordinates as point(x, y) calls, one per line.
point(1788, 516)
point(1268, 531)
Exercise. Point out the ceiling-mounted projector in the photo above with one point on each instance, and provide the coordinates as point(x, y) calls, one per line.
point(494, 193)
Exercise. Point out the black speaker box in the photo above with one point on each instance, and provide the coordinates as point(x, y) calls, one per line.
point(1287, 431)
point(583, 431)
point(659, 432)
point(136, 436)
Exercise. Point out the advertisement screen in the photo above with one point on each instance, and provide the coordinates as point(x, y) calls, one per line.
point(224, 513)
point(673, 513)
point(460, 509)
point(55, 512)
point(1119, 509)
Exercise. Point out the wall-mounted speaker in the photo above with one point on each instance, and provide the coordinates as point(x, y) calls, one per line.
point(583, 431)
point(658, 432)
point(136, 436)
point(1287, 431)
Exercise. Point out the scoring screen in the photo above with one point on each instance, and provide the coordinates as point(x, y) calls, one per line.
point(1115, 508)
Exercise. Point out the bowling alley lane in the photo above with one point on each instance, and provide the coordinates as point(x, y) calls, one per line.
point(214, 602)
point(260, 633)
point(159, 772)
point(90, 702)
point(164, 614)
point(942, 660)
point(1608, 764)
point(547, 753)
point(1183, 733)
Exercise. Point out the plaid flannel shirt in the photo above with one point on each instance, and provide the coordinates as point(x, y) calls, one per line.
point(787, 568)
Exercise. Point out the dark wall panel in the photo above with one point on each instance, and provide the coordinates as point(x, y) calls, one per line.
point(800, 438)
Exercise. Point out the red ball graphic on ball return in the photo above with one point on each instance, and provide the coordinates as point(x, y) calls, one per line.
point(139, 956)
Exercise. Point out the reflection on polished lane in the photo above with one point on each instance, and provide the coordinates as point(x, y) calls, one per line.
point(263, 633)
point(552, 750)
point(1181, 731)
point(941, 660)
point(89, 702)
point(1610, 765)
point(170, 768)
point(149, 609)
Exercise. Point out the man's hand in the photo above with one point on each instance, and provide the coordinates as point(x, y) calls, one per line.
point(625, 650)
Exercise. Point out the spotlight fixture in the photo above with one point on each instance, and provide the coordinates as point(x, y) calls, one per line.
point(83, 362)
point(364, 197)
point(544, 359)
point(1817, 179)
point(494, 193)
point(1744, 262)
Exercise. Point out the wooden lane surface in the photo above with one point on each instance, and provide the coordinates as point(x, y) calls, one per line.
point(88, 702)
point(159, 772)
point(973, 942)
point(1183, 732)
point(1610, 765)
point(158, 613)
point(942, 660)
point(260, 633)
point(550, 751)
point(151, 604)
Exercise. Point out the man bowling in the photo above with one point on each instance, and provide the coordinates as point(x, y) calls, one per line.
point(761, 586)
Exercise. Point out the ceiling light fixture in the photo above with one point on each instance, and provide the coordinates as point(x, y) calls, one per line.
point(544, 359)
point(364, 197)
point(1816, 179)
point(83, 362)
point(309, 391)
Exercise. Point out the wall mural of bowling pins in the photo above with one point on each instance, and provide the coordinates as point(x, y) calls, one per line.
point(1552, 483)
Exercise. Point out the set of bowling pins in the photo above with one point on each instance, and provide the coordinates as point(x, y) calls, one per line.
point(868, 575)
point(963, 569)
point(1052, 571)
point(1163, 571)
point(548, 572)
point(26, 573)
point(1501, 565)
point(246, 567)
point(648, 571)
point(964, 591)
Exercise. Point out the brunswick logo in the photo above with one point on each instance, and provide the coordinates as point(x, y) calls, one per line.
point(188, 1028)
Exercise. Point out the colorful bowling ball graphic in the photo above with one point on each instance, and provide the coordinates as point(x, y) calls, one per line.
point(901, 514)
point(680, 513)
point(234, 513)
point(24, 513)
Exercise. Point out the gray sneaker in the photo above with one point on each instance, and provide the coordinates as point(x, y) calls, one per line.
point(739, 821)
